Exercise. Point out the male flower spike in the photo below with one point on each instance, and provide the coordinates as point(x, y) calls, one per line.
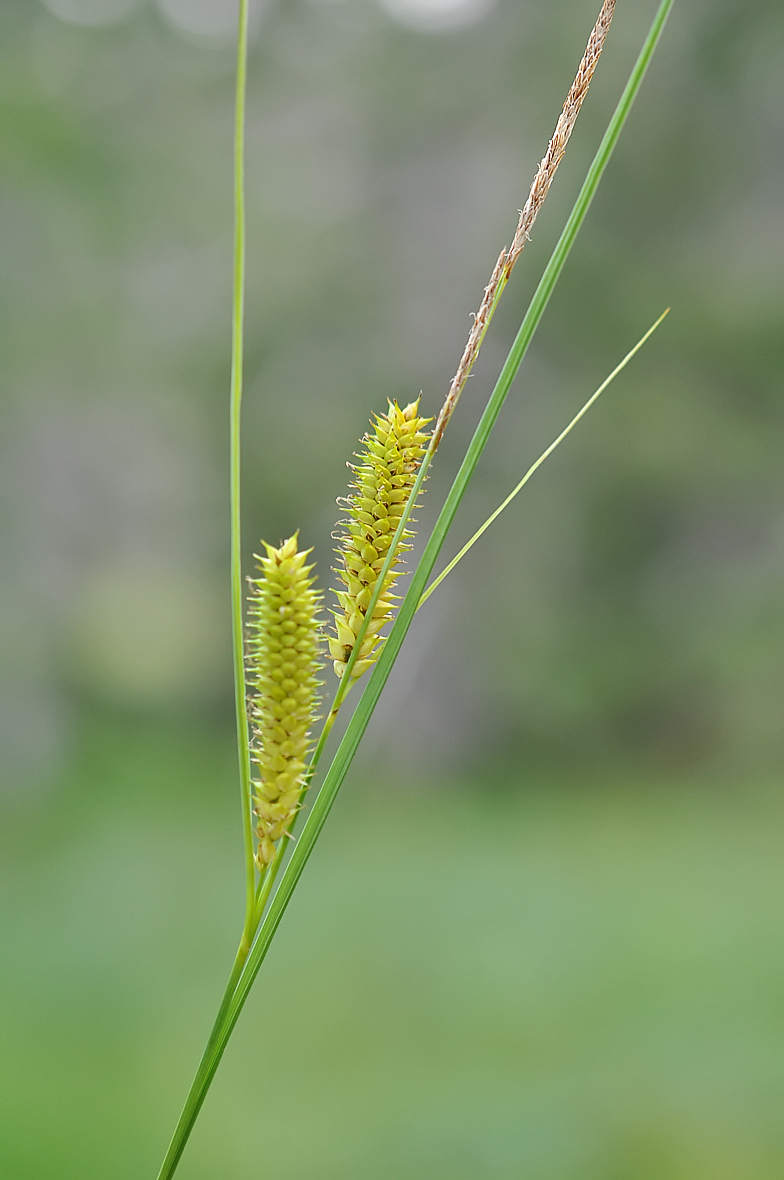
point(282, 669)
point(384, 478)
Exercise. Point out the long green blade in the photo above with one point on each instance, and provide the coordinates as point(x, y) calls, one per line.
point(544, 455)
point(238, 315)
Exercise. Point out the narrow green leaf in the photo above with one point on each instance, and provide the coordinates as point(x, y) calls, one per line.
point(545, 455)
point(237, 322)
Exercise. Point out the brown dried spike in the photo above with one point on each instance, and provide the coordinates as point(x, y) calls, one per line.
point(539, 189)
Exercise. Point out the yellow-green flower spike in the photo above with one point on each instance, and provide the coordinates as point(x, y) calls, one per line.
point(282, 670)
point(384, 477)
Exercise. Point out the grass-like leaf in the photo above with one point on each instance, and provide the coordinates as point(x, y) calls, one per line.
point(237, 323)
point(544, 455)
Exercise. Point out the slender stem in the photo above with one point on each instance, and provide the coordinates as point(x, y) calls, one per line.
point(198, 1088)
point(238, 312)
point(196, 1093)
point(348, 746)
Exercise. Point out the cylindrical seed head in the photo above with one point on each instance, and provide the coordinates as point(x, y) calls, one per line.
point(383, 481)
point(282, 674)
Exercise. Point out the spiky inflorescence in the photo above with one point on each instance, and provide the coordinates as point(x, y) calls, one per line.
point(282, 671)
point(383, 481)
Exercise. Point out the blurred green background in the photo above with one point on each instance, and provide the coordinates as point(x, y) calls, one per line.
point(542, 933)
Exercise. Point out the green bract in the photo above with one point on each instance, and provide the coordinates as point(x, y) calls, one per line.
point(283, 665)
point(384, 478)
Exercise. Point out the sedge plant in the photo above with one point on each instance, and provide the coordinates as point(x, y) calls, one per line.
point(280, 644)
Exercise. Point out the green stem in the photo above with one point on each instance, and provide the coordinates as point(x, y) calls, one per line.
point(238, 310)
point(197, 1091)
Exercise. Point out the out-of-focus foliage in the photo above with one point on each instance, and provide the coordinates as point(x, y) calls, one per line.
point(638, 588)
point(632, 603)
point(625, 616)
point(617, 1013)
